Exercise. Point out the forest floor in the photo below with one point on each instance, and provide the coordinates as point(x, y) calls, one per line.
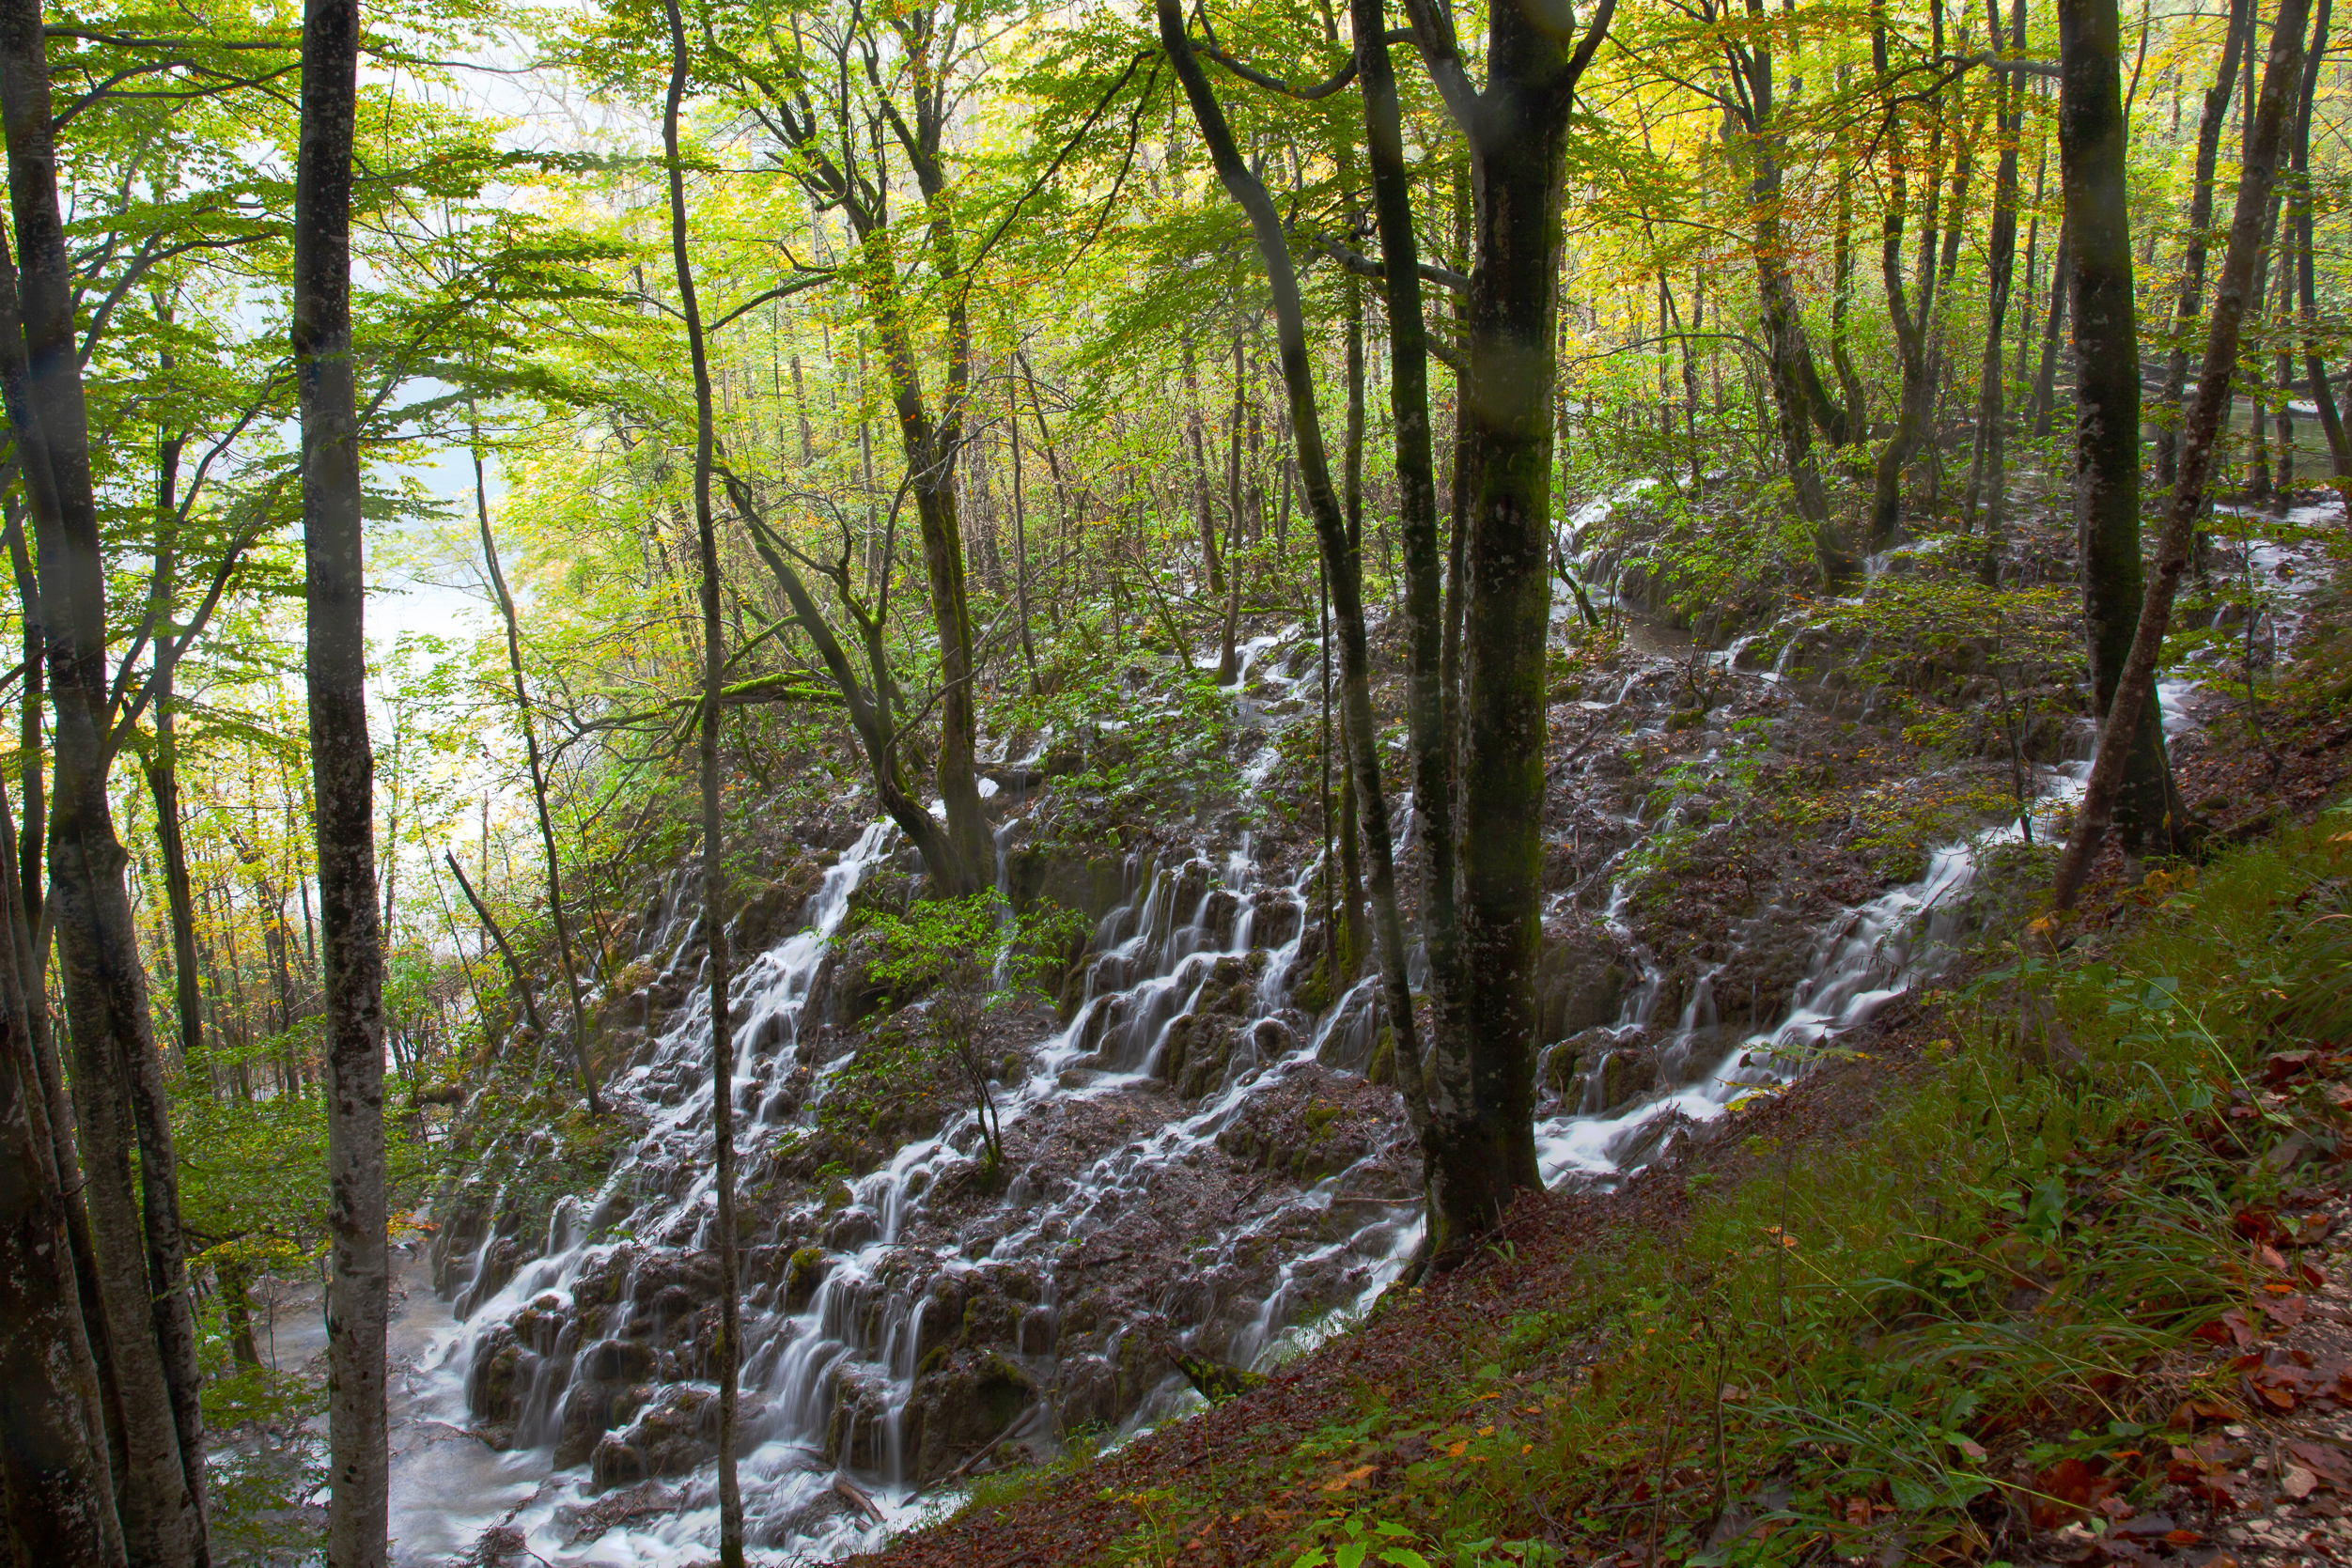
point(2047, 1265)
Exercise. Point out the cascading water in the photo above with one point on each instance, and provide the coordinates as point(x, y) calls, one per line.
point(911, 1320)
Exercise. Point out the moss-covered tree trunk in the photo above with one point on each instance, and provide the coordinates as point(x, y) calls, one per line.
point(2091, 155)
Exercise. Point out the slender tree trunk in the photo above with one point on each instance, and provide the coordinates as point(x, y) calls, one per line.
point(1991, 460)
point(727, 1353)
point(1021, 542)
point(1425, 699)
point(1330, 527)
point(2044, 400)
point(2315, 366)
point(2106, 375)
point(555, 912)
point(1228, 657)
point(1789, 362)
point(139, 1255)
point(2192, 283)
point(2135, 687)
point(1211, 560)
point(343, 786)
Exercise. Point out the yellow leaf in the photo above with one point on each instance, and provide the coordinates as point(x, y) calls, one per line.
point(1485, 1431)
point(1454, 1450)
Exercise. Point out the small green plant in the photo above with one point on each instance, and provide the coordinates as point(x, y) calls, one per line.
point(970, 957)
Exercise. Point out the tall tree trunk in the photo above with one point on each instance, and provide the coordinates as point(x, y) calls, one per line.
point(2135, 689)
point(161, 765)
point(59, 1490)
point(1020, 538)
point(2002, 249)
point(2044, 403)
point(1211, 559)
point(2191, 301)
point(2315, 366)
point(1481, 1082)
point(1788, 361)
point(1426, 702)
point(342, 767)
point(2106, 375)
point(727, 1354)
point(1330, 526)
point(1228, 657)
point(139, 1254)
point(555, 912)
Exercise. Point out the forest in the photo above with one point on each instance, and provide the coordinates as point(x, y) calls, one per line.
point(996, 783)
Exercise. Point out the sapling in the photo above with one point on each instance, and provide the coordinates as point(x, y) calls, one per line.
point(974, 955)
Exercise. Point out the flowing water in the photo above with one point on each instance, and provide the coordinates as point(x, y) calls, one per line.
point(831, 1376)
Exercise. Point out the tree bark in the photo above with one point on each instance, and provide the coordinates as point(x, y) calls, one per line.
point(1425, 701)
point(1330, 527)
point(726, 1352)
point(138, 1251)
point(342, 765)
point(2107, 374)
point(2135, 688)
point(2315, 366)
point(1481, 1083)
point(2002, 249)
point(59, 1491)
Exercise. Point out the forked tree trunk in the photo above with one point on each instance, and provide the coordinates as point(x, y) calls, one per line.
point(2135, 689)
point(2107, 376)
point(2191, 301)
point(2301, 201)
point(1426, 703)
point(1989, 478)
point(59, 1492)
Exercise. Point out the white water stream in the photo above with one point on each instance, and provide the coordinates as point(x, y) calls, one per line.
point(849, 1353)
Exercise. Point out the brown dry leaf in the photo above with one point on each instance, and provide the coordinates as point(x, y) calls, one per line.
point(2297, 1482)
point(1346, 1479)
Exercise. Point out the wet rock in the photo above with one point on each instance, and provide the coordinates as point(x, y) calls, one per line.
point(852, 1229)
point(1580, 984)
point(1199, 1048)
point(803, 1274)
point(676, 1435)
point(858, 1434)
point(962, 1406)
point(1624, 1076)
point(592, 1407)
point(847, 987)
point(1092, 884)
point(500, 1378)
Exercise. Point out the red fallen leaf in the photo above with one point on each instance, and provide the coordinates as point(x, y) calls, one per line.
point(2285, 1064)
point(2191, 1414)
point(2068, 1486)
point(2324, 1460)
point(2271, 1397)
point(2257, 1224)
point(2182, 1538)
point(2287, 1310)
point(2311, 1276)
